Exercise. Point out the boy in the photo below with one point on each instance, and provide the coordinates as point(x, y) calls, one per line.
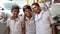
point(43, 20)
point(29, 20)
point(14, 22)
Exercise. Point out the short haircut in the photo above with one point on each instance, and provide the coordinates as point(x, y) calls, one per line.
point(35, 4)
point(15, 7)
point(26, 7)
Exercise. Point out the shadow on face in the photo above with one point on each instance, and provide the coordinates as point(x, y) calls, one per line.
point(15, 12)
point(36, 8)
point(28, 12)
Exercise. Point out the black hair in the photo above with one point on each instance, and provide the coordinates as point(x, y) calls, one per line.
point(35, 4)
point(26, 7)
point(15, 7)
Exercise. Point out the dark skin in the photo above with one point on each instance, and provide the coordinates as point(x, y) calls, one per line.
point(15, 13)
point(53, 29)
point(37, 10)
point(8, 30)
point(27, 14)
point(23, 26)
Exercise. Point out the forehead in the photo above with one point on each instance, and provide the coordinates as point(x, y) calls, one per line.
point(15, 10)
point(27, 10)
point(34, 6)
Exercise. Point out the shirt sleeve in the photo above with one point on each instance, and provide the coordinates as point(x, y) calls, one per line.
point(7, 22)
point(52, 21)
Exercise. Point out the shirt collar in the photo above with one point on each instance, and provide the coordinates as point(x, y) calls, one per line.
point(28, 18)
point(39, 16)
point(40, 13)
point(17, 18)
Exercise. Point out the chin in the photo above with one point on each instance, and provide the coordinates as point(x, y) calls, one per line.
point(15, 15)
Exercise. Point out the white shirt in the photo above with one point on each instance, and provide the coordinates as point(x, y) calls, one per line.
point(30, 26)
point(15, 26)
point(43, 22)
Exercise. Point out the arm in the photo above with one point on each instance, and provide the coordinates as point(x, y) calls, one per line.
point(8, 30)
point(23, 26)
point(53, 26)
point(52, 23)
point(53, 29)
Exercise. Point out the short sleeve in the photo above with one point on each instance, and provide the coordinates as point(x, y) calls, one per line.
point(8, 22)
point(52, 21)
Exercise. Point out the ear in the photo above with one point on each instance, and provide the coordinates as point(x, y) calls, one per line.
point(11, 11)
point(31, 12)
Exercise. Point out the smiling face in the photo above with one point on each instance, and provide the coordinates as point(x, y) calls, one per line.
point(28, 12)
point(15, 12)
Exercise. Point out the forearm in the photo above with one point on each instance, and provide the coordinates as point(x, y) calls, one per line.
point(23, 31)
point(8, 31)
point(53, 29)
point(23, 27)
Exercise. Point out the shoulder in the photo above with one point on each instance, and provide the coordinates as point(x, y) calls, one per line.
point(8, 19)
point(47, 13)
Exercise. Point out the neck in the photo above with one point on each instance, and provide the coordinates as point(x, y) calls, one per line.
point(39, 12)
point(30, 17)
point(14, 17)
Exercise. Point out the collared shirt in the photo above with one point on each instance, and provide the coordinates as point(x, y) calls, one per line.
point(43, 22)
point(30, 26)
point(15, 26)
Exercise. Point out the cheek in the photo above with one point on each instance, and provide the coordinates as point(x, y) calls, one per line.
point(26, 13)
point(35, 9)
point(16, 12)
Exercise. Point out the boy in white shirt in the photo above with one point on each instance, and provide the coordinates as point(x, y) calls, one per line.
point(29, 20)
point(14, 22)
point(43, 21)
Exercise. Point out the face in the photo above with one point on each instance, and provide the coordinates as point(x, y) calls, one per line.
point(36, 8)
point(28, 12)
point(15, 12)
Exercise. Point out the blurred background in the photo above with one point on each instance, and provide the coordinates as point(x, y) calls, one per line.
point(5, 10)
